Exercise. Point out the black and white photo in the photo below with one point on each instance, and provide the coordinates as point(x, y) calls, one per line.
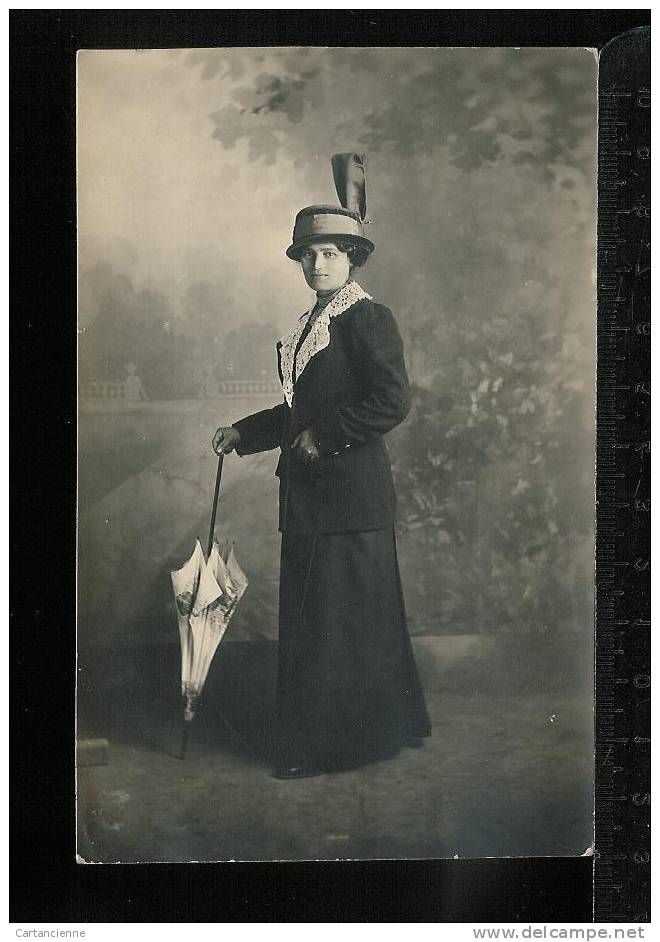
point(350, 292)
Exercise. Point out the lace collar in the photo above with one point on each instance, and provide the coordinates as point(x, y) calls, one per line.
point(318, 337)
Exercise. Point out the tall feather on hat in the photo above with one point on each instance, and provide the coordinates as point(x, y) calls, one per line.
point(350, 184)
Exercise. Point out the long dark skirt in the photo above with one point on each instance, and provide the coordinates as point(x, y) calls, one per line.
point(348, 689)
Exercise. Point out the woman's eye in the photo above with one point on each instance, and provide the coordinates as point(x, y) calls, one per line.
point(329, 254)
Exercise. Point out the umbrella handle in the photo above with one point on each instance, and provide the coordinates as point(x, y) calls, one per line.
point(214, 508)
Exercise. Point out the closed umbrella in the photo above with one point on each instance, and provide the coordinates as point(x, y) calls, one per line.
point(207, 591)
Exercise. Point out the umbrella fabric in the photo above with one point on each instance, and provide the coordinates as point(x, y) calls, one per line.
point(206, 594)
point(236, 576)
point(185, 582)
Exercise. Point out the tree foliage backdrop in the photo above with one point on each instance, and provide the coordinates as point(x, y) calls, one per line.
point(481, 191)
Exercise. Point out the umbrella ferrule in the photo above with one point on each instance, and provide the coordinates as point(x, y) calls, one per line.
point(190, 706)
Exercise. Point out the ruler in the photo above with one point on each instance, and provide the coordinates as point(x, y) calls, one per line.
point(622, 657)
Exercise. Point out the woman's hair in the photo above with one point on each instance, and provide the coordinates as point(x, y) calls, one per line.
point(357, 255)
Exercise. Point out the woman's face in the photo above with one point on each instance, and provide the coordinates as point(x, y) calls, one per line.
point(325, 268)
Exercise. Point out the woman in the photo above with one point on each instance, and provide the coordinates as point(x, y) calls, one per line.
point(347, 689)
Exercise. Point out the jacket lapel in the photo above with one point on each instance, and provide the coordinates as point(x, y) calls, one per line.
point(317, 339)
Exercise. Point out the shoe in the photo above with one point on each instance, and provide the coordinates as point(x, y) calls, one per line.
point(298, 771)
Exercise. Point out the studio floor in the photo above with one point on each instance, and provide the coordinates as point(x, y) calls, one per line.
point(507, 772)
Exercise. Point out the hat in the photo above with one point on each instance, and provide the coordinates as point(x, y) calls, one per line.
point(343, 223)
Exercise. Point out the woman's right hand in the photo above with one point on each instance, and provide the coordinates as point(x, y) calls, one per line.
point(225, 440)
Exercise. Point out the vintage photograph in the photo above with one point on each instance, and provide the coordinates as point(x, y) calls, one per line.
point(336, 366)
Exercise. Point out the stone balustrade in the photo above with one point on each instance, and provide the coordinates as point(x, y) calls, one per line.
point(97, 389)
point(248, 387)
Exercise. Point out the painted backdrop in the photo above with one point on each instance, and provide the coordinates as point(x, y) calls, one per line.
point(481, 192)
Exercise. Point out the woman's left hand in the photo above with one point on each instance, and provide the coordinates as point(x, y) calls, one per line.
point(305, 446)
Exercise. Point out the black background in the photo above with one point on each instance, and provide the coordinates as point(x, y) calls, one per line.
point(47, 883)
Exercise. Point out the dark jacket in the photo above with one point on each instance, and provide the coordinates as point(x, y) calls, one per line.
point(350, 394)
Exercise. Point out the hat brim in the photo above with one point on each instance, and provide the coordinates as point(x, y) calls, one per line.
point(296, 248)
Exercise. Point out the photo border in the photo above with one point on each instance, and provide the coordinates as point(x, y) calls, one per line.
point(47, 883)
